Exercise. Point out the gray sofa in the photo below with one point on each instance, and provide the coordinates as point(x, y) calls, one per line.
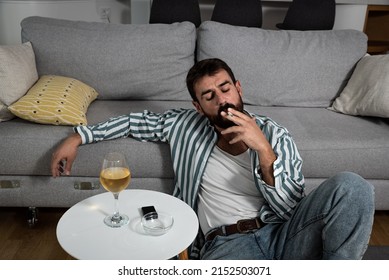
point(290, 76)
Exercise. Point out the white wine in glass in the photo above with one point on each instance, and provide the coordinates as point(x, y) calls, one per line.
point(115, 177)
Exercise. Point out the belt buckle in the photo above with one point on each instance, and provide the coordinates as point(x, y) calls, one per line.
point(247, 225)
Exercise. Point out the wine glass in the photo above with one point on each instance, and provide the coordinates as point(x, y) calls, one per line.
point(115, 177)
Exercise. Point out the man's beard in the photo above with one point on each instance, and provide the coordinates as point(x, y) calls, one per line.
point(221, 121)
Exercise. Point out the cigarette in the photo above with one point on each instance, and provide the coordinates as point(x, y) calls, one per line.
point(230, 114)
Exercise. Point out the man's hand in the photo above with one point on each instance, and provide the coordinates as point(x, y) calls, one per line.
point(247, 131)
point(66, 152)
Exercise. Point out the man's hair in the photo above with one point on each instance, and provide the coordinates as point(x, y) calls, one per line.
point(206, 67)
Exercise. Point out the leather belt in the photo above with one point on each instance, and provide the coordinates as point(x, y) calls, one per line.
point(242, 226)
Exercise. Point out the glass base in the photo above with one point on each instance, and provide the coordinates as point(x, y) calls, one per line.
point(116, 221)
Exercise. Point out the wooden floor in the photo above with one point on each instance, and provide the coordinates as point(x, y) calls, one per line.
point(380, 233)
point(18, 241)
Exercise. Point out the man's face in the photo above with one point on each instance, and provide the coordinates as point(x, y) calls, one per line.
point(215, 94)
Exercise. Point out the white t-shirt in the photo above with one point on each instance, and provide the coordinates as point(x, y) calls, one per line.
point(227, 192)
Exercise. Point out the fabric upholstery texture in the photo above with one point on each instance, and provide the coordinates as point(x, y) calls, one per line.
point(285, 68)
point(55, 100)
point(17, 74)
point(326, 140)
point(120, 61)
point(367, 92)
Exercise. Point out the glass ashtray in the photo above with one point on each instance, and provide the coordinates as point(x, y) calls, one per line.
point(157, 223)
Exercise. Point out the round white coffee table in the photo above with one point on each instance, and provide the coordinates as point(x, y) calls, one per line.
point(82, 233)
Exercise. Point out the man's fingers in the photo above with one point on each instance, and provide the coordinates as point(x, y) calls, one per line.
point(232, 113)
point(230, 116)
point(68, 167)
point(55, 165)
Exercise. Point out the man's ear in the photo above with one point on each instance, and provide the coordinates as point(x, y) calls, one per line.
point(198, 107)
point(238, 87)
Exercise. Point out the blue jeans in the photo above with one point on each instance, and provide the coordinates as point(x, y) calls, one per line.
point(333, 222)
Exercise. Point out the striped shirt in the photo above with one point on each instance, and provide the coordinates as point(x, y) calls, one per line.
point(192, 139)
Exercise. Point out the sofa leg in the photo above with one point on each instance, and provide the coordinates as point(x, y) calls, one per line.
point(32, 216)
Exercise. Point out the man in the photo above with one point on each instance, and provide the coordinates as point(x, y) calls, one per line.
point(241, 173)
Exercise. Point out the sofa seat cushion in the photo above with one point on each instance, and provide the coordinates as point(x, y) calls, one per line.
point(330, 142)
point(36, 142)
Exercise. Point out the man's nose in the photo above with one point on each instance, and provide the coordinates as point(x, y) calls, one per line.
point(221, 98)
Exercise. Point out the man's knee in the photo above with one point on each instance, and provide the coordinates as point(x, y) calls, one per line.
point(354, 186)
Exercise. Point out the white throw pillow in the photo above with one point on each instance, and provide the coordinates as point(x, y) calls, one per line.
point(17, 74)
point(367, 92)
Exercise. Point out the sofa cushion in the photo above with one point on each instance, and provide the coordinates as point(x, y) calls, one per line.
point(120, 61)
point(5, 114)
point(17, 74)
point(146, 160)
point(330, 142)
point(285, 68)
point(367, 92)
point(55, 100)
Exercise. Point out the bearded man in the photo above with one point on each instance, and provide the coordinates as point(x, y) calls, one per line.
point(241, 173)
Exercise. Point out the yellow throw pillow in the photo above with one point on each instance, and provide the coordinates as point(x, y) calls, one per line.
point(55, 100)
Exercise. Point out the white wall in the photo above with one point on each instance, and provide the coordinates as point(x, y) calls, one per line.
point(350, 17)
point(138, 12)
point(13, 11)
point(273, 13)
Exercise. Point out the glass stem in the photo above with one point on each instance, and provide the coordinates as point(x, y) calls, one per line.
point(116, 215)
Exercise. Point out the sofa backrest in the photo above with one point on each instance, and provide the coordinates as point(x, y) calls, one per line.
point(151, 61)
point(120, 61)
point(284, 68)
